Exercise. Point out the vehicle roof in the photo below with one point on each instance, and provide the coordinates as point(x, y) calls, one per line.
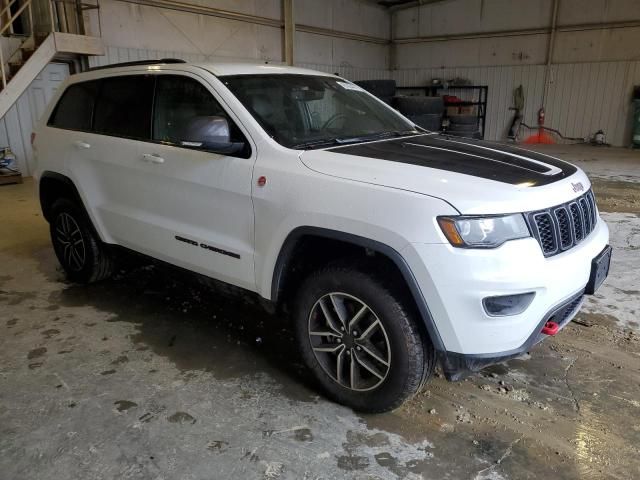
point(221, 68)
point(246, 68)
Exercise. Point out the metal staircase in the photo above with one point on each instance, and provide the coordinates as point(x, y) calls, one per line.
point(37, 32)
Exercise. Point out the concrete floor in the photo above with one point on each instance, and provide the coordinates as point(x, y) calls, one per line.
point(152, 376)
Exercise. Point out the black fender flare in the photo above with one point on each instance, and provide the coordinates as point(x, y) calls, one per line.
point(59, 178)
point(288, 247)
point(73, 193)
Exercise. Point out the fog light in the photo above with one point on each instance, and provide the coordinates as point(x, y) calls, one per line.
point(507, 304)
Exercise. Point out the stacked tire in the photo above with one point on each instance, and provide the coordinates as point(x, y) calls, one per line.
point(464, 126)
point(425, 112)
point(385, 90)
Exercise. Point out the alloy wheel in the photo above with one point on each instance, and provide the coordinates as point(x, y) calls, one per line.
point(349, 341)
point(69, 237)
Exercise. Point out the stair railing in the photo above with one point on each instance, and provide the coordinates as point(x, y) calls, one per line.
point(26, 5)
point(65, 16)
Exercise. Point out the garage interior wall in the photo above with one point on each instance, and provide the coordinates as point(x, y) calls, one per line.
point(132, 31)
point(504, 43)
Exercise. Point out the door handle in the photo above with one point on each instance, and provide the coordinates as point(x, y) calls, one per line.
point(152, 158)
point(82, 145)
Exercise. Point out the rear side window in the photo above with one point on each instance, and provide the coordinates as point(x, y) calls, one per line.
point(123, 107)
point(75, 108)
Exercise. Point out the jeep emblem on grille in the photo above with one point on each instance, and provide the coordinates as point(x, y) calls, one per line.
point(577, 187)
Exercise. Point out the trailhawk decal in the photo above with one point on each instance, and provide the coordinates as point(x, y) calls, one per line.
point(206, 247)
point(502, 163)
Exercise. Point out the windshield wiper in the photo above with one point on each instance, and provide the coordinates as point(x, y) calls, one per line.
point(323, 142)
point(328, 142)
point(376, 136)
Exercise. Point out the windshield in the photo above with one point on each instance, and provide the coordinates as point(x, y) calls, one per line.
point(304, 111)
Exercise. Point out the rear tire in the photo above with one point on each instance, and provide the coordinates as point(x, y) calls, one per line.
point(84, 258)
point(382, 89)
point(373, 356)
point(428, 121)
point(464, 120)
point(419, 105)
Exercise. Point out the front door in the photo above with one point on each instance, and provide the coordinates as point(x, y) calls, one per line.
point(199, 212)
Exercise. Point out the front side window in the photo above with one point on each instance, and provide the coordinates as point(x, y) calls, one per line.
point(180, 103)
point(75, 108)
point(123, 108)
point(304, 111)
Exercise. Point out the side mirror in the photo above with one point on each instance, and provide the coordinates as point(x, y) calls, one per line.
point(210, 133)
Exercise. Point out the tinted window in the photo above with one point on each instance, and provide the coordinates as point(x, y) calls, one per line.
point(180, 100)
point(123, 107)
point(75, 108)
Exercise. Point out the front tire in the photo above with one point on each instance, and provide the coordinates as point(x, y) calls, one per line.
point(360, 341)
point(84, 258)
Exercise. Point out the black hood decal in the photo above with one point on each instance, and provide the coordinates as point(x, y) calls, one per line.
point(502, 163)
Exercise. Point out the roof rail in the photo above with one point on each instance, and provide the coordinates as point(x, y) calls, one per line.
point(137, 63)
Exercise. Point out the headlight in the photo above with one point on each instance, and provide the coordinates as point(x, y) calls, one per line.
point(483, 232)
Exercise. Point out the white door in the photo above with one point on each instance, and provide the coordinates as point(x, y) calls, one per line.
point(181, 204)
point(44, 87)
point(199, 206)
point(19, 122)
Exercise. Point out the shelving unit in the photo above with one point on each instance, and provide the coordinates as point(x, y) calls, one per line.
point(479, 93)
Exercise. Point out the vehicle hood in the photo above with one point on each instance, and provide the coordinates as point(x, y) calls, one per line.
point(476, 177)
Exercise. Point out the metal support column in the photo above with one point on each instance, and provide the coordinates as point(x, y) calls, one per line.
point(289, 31)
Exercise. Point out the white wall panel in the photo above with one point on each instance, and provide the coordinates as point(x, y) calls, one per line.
point(128, 25)
point(340, 51)
point(524, 50)
point(464, 16)
point(354, 16)
point(121, 54)
point(151, 28)
point(469, 17)
point(583, 97)
point(349, 72)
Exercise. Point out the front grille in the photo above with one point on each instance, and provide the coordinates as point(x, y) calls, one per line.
point(562, 227)
point(546, 234)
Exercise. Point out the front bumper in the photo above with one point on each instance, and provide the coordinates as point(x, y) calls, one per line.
point(454, 282)
point(457, 365)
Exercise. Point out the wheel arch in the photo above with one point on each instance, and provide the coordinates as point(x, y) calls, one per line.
point(287, 254)
point(54, 185)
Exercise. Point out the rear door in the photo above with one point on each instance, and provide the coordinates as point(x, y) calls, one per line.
point(105, 160)
point(198, 211)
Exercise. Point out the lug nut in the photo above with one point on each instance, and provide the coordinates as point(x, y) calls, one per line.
point(358, 348)
point(355, 334)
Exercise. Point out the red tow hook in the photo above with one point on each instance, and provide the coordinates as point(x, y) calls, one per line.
point(550, 328)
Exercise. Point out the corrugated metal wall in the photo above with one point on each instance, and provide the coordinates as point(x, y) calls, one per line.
point(19, 122)
point(348, 71)
point(583, 97)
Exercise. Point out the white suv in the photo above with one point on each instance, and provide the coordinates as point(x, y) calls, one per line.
point(394, 247)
